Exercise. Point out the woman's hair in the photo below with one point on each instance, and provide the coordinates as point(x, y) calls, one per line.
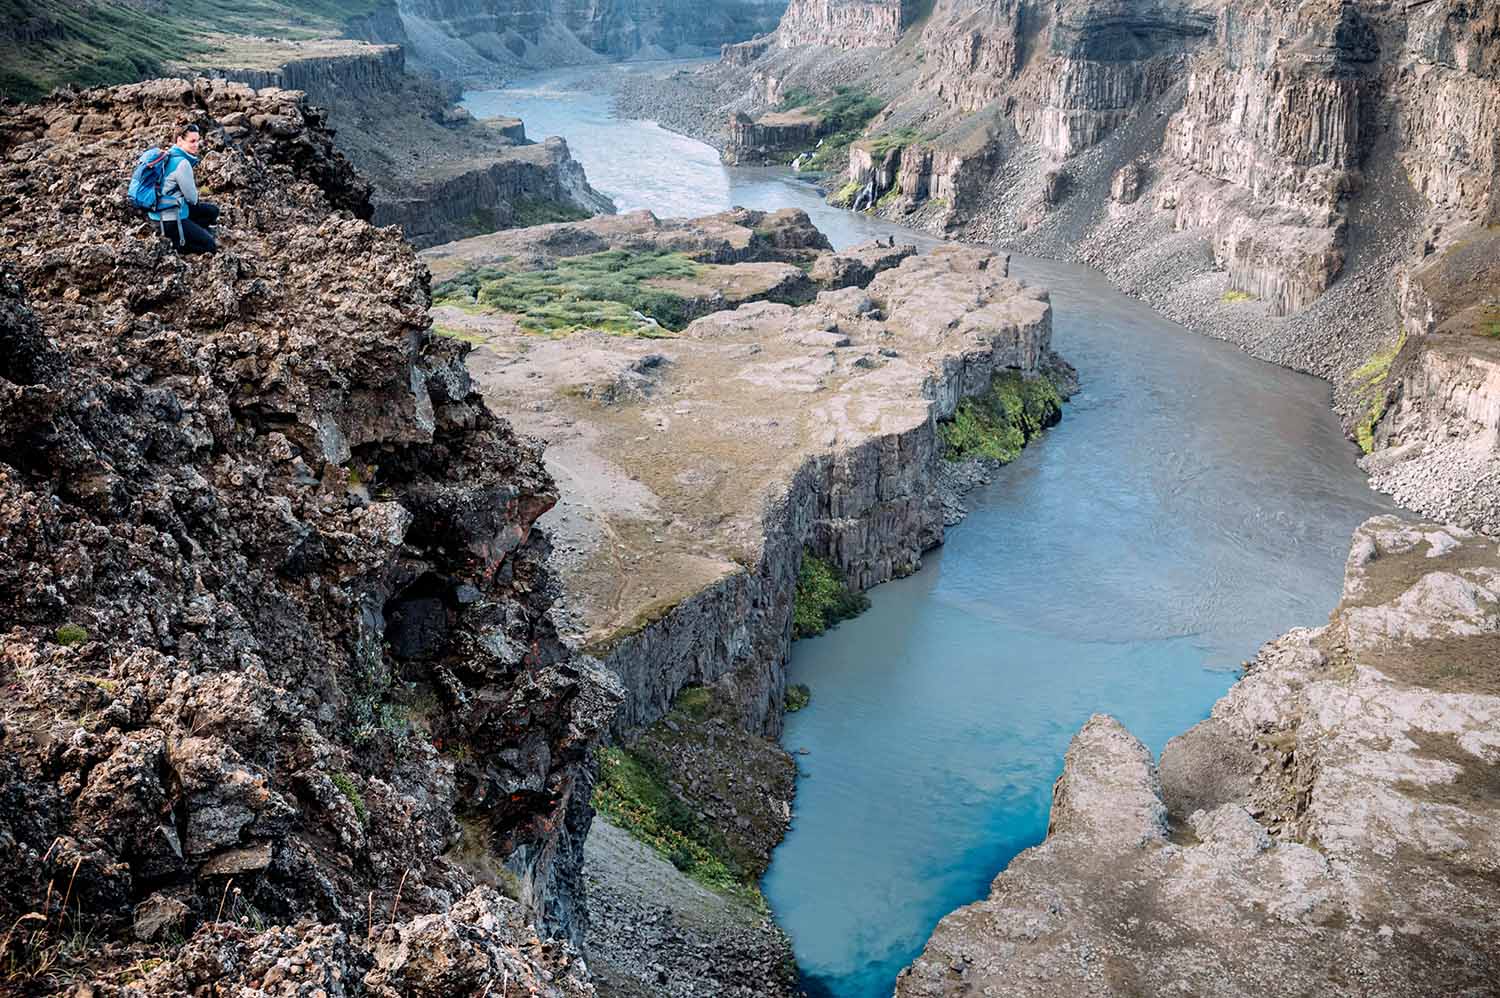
point(182, 128)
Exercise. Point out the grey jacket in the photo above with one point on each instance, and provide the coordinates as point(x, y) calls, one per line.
point(178, 186)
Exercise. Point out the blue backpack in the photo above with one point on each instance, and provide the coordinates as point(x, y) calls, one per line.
point(146, 181)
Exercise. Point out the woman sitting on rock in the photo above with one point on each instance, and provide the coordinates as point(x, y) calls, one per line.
point(181, 216)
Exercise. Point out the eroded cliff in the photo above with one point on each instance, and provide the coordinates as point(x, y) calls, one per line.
point(1331, 826)
point(282, 678)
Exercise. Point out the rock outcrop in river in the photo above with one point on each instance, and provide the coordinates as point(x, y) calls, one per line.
point(285, 711)
point(1331, 828)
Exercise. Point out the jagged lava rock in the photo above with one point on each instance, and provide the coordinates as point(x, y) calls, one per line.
point(231, 488)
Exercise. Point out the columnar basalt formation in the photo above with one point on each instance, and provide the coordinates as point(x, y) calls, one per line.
point(1338, 809)
point(282, 676)
point(777, 137)
point(844, 24)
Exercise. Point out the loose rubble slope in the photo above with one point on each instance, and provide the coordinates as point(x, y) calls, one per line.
point(1331, 828)
point(280, 675)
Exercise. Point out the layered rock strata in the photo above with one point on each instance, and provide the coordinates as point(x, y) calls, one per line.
point(282, 677)
point(845, 24)
point(1331, 826)
point(774, 137)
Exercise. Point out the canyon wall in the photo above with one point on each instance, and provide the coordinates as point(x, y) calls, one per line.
point(1261, 173)
point(844, 24)
point(479, 39)
point(283, 679)
point(437, 172)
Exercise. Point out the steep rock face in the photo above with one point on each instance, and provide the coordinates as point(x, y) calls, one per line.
point(778, 137)
point(529, 182)
point(473, 38)
point(1337, 810)
point(1066, 74)
point(1435, 417)
point(685, 574)
point(845, 24)
point(278, 644)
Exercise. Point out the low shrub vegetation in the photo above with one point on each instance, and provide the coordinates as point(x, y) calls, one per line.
point(604, 291)
point(633, 793)
point(345, 785)
point(798, 696)
point(998, 423)
point(822, 598)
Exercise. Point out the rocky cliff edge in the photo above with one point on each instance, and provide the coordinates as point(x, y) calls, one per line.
point(1329, 829)
point(284, 710)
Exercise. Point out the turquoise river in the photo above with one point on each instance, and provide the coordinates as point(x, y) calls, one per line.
point(1193, 504)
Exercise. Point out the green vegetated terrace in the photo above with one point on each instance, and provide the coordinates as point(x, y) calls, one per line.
point(845, 114)
point(606, 291)
point(998, 423)
point(50, 43)
point(822, 598)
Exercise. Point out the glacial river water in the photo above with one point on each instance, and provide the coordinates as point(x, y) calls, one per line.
point(1193, 504)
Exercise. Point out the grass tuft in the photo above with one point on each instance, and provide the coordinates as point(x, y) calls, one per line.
point(345, 784)
point(1370, 386)
point(604, 291)
point(71, 634)
point(822, 598)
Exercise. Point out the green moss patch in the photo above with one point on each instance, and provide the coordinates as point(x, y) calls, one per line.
point(897, 138)
point(1235, 296)
point(998, 423)
point(823, 598)
point(71, 634)
point(845, 114)
point(602, 291)
point(1370, 385)
point(844, 196)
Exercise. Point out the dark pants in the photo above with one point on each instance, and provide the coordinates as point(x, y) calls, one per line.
point(189, 234)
